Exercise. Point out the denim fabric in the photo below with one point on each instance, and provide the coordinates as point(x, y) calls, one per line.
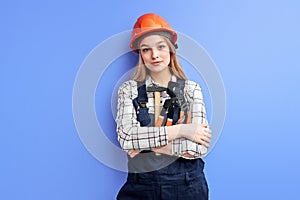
point(170, 183)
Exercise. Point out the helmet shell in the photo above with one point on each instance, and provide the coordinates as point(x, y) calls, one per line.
point(148, 23)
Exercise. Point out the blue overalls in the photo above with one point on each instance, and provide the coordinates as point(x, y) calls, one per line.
point(162, 177)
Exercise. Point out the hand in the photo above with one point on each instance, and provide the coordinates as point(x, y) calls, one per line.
point(133, 153)
point(167, 149)
point(199, 133)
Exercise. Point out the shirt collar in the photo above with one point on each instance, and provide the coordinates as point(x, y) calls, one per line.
point(150, 82)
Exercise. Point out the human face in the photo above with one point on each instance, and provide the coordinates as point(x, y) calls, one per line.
point(155, 53)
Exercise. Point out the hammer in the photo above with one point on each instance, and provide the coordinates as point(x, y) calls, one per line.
point(156, 90)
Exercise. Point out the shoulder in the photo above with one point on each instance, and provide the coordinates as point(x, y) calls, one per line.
point(128, 84)
point(191, 86)
point(128, 87)
point(192, 90)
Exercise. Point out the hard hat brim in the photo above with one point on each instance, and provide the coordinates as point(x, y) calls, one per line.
point(136, 38)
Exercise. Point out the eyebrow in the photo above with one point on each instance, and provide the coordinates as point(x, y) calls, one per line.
point(145, 45)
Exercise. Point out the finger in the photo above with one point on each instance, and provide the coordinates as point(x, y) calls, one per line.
point(134, 153)
point(204, 125)
point(202, 136)
point(204, 143)
point(206, 139)
point(207, 144)
point(207, 136)
point(129, 152)
point(207, 133)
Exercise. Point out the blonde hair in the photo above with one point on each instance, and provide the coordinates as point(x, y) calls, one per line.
point(140, 73)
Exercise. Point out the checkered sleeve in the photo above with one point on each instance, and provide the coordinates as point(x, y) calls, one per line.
point(183, 147)
point(131, 135)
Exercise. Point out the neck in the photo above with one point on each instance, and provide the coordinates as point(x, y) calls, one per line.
point(162, 78)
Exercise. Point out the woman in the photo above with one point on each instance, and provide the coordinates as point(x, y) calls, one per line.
point(161, 120)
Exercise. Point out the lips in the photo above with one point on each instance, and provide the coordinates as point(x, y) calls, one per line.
point(156, 63)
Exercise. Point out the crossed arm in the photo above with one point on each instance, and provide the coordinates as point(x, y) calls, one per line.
point(182, 140)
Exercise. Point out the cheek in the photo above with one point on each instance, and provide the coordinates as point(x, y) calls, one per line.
point(165, 53)
point(166, 56)
point(145, 57)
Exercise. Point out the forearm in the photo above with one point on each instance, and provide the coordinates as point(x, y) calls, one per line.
point(142, 138)
point(194, 142)
point(179, 146)
point(172, 134)
point(175, 131)
point(146, 138)
point(184, 141)
point(188, 149)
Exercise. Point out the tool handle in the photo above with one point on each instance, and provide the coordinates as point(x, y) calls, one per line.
point(156, 105)
point(159, 121)
point(169, 122)
point(189, 118)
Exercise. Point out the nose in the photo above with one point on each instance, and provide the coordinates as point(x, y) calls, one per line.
point(154, 54)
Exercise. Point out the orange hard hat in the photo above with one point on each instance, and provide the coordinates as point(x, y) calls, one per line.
point(151, 23)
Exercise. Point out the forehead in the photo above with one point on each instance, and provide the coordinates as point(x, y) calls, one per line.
point(152, 40)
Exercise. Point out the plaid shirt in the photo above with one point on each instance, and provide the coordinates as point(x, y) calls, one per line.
point(134, 137)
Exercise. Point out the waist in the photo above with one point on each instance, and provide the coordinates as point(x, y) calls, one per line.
point(180, 171)
point(163, 164)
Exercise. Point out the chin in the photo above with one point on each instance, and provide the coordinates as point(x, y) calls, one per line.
point(157, 69)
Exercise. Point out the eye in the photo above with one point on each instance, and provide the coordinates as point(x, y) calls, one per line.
point(161, 46)
point(145, 50)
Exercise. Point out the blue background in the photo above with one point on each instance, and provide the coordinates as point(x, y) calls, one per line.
point(255, 45)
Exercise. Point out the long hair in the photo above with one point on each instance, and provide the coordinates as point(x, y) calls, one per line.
point(140, 73)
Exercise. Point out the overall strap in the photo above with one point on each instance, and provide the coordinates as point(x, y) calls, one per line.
point(176, 106)
point(140, 106)
point(176, 92)
point(180, 94)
